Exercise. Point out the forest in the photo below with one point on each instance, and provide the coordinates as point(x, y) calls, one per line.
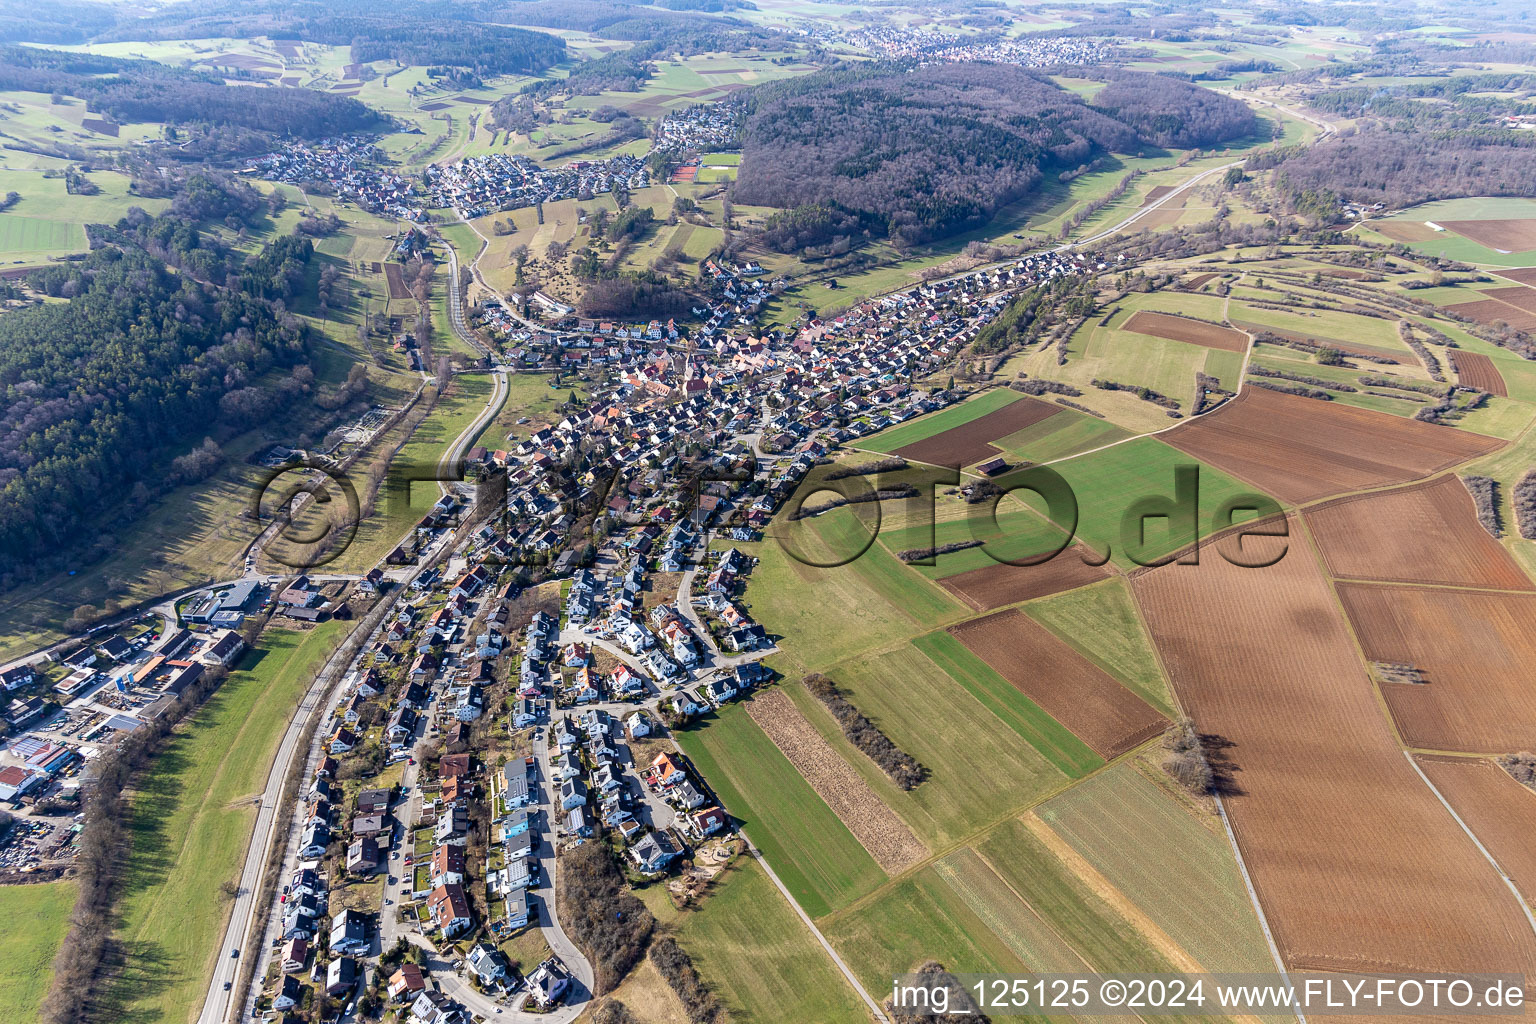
point(102, 389)
point(129, 91)
point(914, 155)
point(1402, 168)
point(431, 32)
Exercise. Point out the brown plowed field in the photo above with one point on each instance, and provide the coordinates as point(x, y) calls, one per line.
point(1299, 449)
point(1404, 230)
point(100, 127)
point(1356, 863)
point(1487, 311)
point(1477, 371)
point(994, 586)
point(873, 824)
point(1369, 352)
point(1524, 275)
point(1499, 811)
point(1475, 649)
point(1155, 193)
point(1071, 689)
point(1503, 235)
point(1179, 328)
point(395, 275)
point(1195, 283)
point(967, 443)
point(1515, 295)
point(1424, 533)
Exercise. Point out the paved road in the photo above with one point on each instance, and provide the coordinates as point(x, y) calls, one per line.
point(217, 1004)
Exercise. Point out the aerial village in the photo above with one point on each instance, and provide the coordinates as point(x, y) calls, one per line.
point(516, 698)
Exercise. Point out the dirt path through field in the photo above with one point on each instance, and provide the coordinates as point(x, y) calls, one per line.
point(873, 824)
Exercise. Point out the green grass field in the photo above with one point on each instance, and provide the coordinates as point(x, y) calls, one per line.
point(1084, 920)
point(1054, 741)
point(1109, 483)
point(936, 423)
point(1453, 246)
point(810, 849)
point(1178, 870)
point(979, 770)
point(1101, 624)
point(759, 957)
point(1057, 437)
point(918, 918)
point(191, 820)
point(36, 918)
point(1012, 535)
point(825, 615)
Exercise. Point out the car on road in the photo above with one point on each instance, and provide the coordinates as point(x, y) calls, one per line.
point(228, 985)
point(234, 954)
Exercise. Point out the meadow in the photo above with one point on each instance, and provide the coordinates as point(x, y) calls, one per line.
point(814, 854)
point(757, 955)
point(978, 769)
point(36, 918)
point(192, 814)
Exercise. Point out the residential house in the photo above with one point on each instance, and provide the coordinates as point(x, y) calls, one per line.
point(447, 867)
point(295, 953)
point(288, 993)
point(363, 856)
point(341, 976)
point(349, 932)
point(449, 910)
point(406, 984)
point(655, 851)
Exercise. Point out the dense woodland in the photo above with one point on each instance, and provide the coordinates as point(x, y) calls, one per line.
point(918, 154)
point(101, 390)
point(128, 91)
point(1402, 168)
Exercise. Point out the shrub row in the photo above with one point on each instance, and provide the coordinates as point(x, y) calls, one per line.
point(1037, 387)
point(1301, 378)
point(610, 924)
point(890, 465)
point(916, 554)
point(1485, 495)
point(1186, 760)
point(902, 767)
point(702, 1006)
point(1146, 394)
point(1293, 389)
point(1524, 501)
point(888, 494)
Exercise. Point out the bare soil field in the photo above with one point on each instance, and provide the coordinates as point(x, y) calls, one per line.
point(1403, 230)
point(428, 108)
point(1195, 283)
point(873, 824)
point(1162, 217)
point(394, 273)
point(1155, 193)
point(100, 127)
point(1476, 370)
point(1368, 352)
point(1473, 649)
point(1346, 273)
point(1524, 275)
point(1178, 328)
point(1423, 533)
point(1356, 863)
point(967, 443)
point(1502, 235)
point(994, 586)
point(1300, 449)
point(1490, 311)
point(1072, 690)
point(1500, 811)
point(1516, 295)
